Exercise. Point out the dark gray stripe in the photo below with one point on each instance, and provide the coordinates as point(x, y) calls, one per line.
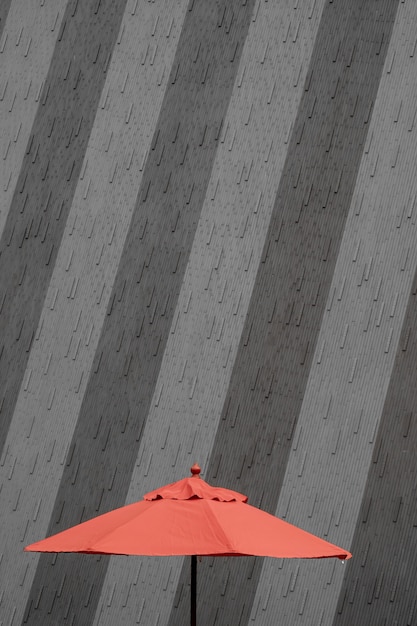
point(385, 540)
point(4, 11)
point(273, 361)
point(106, 440)
point(47, 181)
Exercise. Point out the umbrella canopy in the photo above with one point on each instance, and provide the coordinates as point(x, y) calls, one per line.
point(190, 517)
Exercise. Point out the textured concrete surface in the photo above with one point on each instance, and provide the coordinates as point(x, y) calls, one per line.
point(192, 112)
point(289, 297)
point(211, 312)
point(336, 432)
point(75, 306)
point(207, 253)
point(29, 35)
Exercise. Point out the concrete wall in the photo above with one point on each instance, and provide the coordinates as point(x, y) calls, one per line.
point(208, 253)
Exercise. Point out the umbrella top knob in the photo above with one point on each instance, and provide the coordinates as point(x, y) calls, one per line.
point(195, 470)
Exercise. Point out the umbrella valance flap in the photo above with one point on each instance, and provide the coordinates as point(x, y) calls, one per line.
point(190, 517)
point(190, 488)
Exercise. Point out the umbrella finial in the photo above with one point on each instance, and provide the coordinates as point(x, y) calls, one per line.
point(195, 470)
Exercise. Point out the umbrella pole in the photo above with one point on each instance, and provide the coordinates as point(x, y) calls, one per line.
point(193, 590)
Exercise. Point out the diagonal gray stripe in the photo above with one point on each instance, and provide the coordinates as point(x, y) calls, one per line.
point(62, 354)
point(27, 47)
point(131, 346)
point(47, 181)
point(272, 365)
point(4, 9)
point(215, 292)
point(343, 403)
point(376, 588)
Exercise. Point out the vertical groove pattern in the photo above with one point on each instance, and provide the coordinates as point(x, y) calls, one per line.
point(144, 198)
point(143, 300)
point(294, 277)
point(377, 586)
point(27, 47)
point(342, 405)
point(216, 289)
point(47, 181)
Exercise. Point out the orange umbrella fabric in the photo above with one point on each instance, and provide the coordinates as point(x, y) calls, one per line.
point(190, 517)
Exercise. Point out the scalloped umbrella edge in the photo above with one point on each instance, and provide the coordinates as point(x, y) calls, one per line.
point(190, 518)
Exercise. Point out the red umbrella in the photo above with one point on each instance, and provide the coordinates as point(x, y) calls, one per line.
point(190, 517)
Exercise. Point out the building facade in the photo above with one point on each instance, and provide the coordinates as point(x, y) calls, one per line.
point(208, 253)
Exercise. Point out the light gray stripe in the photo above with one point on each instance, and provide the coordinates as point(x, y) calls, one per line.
point(216, 290)
point(26, 49)
point(352, 365)
point(144, 297)
point(53, 388)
